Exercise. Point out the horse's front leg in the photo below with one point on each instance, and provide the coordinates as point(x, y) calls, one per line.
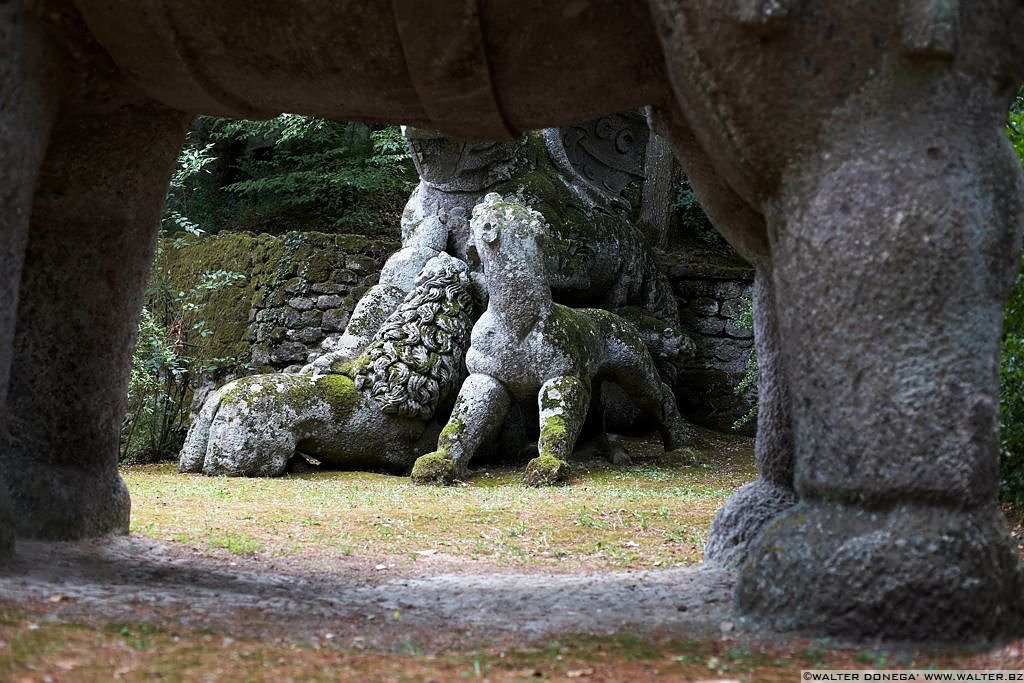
point(479, 411)
point(563, 403)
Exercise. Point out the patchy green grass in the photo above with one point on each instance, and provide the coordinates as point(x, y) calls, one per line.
point(606, 517)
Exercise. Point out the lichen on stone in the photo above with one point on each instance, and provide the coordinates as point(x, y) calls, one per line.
point(546, 470)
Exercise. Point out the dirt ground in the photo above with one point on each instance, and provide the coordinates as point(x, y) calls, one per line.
point(133, 578)
point(361, 577)
point(135, 609)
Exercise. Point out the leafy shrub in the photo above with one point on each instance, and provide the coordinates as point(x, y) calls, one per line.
point(692, 218)
point(1011, 399)
point(290, 172)
point(165, 361)
point(749, 380)
point(1011, 393)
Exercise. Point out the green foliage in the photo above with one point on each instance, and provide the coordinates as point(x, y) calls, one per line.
point(1011, 393)
point(1015, 125)
point(291, 172)
point(1011, 399)
point(166, 359)
point(749, 381)
point(693, 219)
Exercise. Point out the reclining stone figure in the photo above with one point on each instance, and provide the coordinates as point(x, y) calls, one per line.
point(372, 413)
point(525, 346)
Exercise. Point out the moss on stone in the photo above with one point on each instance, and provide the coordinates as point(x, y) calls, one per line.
point(563, 385)
point(546, 470)
point(451, 431)
point(339, 391)
point(434, 468)
point(555, 430)
point(182, 265)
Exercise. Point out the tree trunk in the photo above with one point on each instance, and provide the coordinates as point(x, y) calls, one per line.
point(661, 171)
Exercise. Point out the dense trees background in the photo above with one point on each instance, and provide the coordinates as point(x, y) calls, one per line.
point(290, 172)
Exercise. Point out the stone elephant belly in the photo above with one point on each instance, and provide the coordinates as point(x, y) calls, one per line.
point(426, 64)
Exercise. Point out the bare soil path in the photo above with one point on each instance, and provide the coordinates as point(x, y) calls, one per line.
point(137, 579)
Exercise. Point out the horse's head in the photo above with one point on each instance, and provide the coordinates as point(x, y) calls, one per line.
point(508, 236)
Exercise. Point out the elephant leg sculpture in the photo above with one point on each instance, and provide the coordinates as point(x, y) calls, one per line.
point(858, 160)
point(91, 234)
point(888, 262)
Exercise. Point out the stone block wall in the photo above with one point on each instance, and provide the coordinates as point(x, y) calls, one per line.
point(322, 282)
point(714, 295)
point(297, 290)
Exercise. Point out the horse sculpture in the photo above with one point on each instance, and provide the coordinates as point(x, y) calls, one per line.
point(525, 346)
point(851, 150)
point(594, 255)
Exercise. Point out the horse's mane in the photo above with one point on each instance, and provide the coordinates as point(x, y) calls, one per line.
point(416, 358)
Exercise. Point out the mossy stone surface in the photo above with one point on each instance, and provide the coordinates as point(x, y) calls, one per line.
point(433, 468)
point(546, 470)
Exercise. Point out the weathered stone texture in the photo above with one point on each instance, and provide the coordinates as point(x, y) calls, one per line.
point(714, 294)
point(288, 313)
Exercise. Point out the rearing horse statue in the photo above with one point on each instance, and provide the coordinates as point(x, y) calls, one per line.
point(851, 150)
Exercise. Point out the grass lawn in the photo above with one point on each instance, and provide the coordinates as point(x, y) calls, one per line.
point(607, 518)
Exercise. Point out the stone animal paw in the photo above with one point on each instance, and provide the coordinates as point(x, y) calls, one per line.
point(434, 468)
point(546, 470)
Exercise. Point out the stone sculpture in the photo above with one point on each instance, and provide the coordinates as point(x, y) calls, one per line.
point(594, 256)
point(852, 150)
point(372, 413)
point(525, 346)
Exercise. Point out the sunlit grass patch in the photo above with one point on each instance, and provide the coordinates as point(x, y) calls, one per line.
point(607, 517)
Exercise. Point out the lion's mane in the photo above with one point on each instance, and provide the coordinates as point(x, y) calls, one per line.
point(417, 357)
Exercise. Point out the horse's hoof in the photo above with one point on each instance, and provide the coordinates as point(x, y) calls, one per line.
point(545, 470)
point(433, 468)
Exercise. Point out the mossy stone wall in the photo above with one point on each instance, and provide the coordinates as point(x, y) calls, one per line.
point(299, 288)
point(713, 292)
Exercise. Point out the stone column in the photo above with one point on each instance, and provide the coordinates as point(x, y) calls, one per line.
point(91, 242)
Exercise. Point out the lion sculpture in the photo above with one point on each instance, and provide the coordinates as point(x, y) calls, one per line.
point(372, 413)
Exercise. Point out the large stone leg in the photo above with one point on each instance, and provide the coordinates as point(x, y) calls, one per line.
point(30, 96)
point(895, 248)
point(94, 218)
point(752, 506)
